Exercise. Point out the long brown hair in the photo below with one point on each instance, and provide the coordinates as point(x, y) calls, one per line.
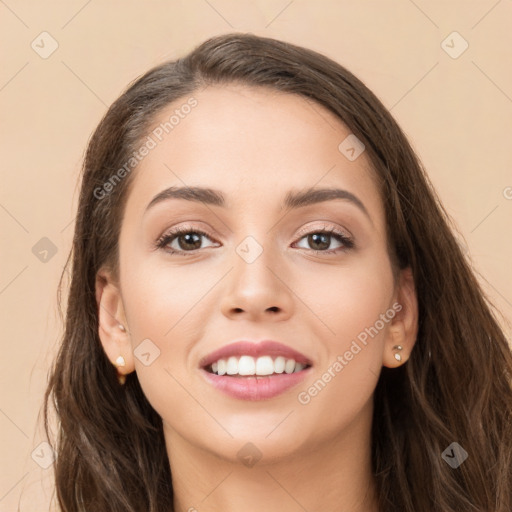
point(456, 386)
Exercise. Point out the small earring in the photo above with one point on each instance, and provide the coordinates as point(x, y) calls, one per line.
point(122, 328)
point(120, 362)
point(398, 357)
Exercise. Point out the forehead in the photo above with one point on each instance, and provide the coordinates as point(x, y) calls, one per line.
point(252, 143)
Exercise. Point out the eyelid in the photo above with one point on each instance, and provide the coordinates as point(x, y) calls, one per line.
point(325, 227)
point(187, 226)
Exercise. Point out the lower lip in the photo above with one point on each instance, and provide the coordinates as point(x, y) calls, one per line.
point(255, 388)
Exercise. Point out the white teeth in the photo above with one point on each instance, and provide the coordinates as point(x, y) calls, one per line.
point(264, 366)
point(289, 366)
point(279, 364)
point(247, 365)
point(298, 367)
point(232, 366)
point(221, 368)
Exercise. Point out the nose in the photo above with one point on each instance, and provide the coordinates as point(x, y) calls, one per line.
point(258, 290)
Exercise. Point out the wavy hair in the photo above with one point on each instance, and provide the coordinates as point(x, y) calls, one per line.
point(456, 386)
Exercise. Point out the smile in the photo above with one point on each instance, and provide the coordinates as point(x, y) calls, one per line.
point(255, 371)
point(248, 365)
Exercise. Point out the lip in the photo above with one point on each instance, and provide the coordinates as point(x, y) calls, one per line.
point(255, 387)
point(247, 348)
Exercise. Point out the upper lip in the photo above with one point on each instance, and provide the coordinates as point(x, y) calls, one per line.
point(248, 348)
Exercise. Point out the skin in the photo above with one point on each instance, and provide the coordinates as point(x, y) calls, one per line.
point(255, 145)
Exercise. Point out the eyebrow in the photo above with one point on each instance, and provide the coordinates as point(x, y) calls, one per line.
point(292, 200)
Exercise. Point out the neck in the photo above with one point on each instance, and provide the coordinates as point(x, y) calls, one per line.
point(331, 475)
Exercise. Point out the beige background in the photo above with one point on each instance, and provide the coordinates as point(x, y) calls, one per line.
point(457, 113)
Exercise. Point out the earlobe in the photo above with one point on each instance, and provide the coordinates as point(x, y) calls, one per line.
point(404, 326)
point(112, 328)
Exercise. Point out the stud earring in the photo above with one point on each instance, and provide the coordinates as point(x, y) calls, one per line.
point(398, 356)
point(120, 362)
point(122, 327)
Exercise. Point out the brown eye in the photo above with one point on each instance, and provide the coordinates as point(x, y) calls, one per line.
point(182, 240)
point(320, 241)
point(191, 240)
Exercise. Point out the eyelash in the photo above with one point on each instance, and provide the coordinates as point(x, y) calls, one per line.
point(168, 237)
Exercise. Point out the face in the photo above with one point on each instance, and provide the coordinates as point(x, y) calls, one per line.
point(254, 262)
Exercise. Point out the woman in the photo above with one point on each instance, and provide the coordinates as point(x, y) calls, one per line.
point(262, 262)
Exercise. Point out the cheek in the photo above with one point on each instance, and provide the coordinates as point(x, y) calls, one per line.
point(159, 296)
point(162, 305)
point(347, 299)
point(354, 315)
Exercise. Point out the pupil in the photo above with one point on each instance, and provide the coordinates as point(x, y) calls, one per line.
point(315, 238)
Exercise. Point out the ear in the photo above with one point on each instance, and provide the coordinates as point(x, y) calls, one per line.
point(115, 341)
point(404, 325)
